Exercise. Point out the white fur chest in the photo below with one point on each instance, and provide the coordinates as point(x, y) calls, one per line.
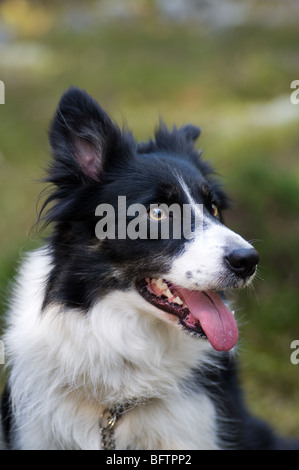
point(67, 367)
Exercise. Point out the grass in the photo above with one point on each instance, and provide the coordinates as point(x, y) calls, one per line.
point(139, 70)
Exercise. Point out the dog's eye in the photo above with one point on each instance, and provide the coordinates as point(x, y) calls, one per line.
point(215, 210)
point(157, 214)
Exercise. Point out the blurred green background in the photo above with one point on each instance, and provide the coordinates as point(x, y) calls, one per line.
point(224, 65)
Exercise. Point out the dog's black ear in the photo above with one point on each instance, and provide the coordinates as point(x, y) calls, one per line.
point(190, 132)
point(81, 136)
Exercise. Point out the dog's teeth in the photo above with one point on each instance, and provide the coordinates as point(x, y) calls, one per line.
point(177, 300)
point(167, 293)
point(161, 284)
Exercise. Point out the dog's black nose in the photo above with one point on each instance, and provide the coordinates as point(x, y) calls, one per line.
point(243, 261)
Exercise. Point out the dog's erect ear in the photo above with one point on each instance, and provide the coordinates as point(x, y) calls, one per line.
point(81, 136)
point(190, 132)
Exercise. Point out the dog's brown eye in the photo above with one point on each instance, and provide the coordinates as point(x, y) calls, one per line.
point(215, 210)
point(157, 214)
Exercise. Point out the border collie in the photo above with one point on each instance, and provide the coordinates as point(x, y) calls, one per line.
point(128, 342)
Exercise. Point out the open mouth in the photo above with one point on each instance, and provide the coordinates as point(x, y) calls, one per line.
point(200, 312)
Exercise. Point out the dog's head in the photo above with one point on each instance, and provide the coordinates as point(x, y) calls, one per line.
point(141, 216)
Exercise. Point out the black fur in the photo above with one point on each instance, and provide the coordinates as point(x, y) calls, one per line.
point(6, 415)
point(113, 168)
point(237, 428)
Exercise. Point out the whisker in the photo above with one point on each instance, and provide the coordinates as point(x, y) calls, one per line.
point(255, 240)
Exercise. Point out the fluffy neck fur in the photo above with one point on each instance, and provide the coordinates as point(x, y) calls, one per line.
point(67, 366)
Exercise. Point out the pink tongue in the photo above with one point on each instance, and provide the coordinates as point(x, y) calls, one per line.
point(217, 321)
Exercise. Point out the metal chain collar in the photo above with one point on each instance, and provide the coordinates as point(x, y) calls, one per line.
point(109, 418)
point(107, 422)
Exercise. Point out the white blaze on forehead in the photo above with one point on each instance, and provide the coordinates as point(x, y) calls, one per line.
point(197, 209)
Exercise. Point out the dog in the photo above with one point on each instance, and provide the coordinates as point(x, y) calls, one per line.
point(128, 342)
